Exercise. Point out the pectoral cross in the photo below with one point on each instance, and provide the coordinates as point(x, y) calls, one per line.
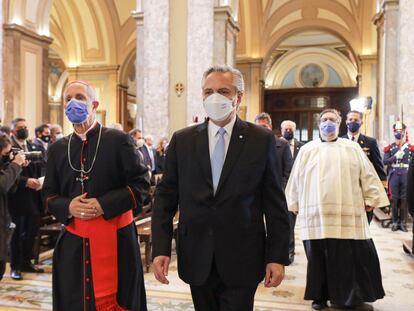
point(82, 178)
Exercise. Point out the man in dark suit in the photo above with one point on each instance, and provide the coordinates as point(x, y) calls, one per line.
point(224, 176)
point(25, 206)
point(410, 194)
point(368, 144)
point(288, 129)
point(149, 153)
point(282, 148)
point(42, 141)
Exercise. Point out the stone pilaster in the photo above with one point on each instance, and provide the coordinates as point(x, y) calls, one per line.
point(1, 65)
point(139, 18)
point(153, 68)
point(25, 84)
point(200, 46)
point(405, 47)
point(388, 64)
point(225, 32)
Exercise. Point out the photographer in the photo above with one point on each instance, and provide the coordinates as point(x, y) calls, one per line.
point(25, 205)
point(10, 169)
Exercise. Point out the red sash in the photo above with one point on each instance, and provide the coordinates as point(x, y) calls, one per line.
point(102, 235)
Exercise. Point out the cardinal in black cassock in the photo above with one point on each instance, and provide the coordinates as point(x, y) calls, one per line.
point(94, 180)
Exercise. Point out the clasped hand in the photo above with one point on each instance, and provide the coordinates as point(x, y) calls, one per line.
point(85, 208)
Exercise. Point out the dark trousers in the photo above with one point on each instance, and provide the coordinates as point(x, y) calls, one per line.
point(2, 268)
point(399, 211)
point(214, 295)
point(22, 243)
point(292, 219)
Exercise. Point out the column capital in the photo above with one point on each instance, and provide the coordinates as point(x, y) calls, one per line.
point(93, 69)
point(224, 13)
point(390, 5)
point(29, 34)
point(138, 16)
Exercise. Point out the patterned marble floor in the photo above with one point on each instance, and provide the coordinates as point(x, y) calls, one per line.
point(34, 292)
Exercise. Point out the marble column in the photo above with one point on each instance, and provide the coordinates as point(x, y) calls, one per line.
point(25, 62)
point(153, 68)
point(225, 32)
point(1, 65)
point(200, 52)
point(388, 63)
point(405, 47)
point(139, 18)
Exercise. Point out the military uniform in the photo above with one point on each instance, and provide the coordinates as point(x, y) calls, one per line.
point(397, 181)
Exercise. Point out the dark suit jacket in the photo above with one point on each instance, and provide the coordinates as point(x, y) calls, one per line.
point(26, 201)
point(147, 158)
point(40, 147)
point(286, 160)
point(410, 188)
point(296, 147)
point(370, 147)
point(228, 227)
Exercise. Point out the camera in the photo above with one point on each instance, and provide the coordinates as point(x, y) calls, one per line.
point(33, 156)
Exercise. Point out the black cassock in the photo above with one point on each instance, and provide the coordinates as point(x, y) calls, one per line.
point(120, 183)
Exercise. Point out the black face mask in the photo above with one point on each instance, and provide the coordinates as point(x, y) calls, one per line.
point(22, 134)
point(288, 135)
point(45, 138)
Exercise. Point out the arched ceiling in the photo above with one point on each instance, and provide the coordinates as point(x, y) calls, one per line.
point(84, 32)
point(93, 32)
point(265, 24)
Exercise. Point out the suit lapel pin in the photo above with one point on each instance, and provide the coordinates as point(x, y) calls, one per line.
point(241, 136)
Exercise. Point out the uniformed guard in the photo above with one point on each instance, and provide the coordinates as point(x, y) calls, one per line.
point(397, 157)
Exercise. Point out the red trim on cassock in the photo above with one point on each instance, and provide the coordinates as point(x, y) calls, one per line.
point(102, 235)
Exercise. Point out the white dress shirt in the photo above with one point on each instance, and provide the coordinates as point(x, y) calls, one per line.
point(356, 137)
point(213, 135)
point(151, 155)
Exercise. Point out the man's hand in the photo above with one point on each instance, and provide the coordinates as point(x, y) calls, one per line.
point(95, 203)
point(274, 274)
point(369, 208)
point(19, 159)
point(84, 211)
point(160, 266)
point(32, 183)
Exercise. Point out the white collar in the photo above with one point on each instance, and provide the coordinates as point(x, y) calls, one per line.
point(83, 136)
point(213, 128)
point(356, 136)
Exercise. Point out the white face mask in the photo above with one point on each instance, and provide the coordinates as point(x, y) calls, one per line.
point(59, 136)
point(218, 107)
point(140, 143)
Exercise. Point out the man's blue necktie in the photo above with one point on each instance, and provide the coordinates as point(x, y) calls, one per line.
point(217, 160)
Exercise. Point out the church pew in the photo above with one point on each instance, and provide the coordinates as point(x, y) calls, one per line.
point(384, 218)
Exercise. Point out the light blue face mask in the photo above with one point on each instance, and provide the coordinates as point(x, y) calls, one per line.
point(327, 127)
point(77, 111)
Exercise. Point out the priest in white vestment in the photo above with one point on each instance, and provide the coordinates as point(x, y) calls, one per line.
point(331, 186)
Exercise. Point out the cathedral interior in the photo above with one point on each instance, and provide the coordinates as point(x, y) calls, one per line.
point(146, 59)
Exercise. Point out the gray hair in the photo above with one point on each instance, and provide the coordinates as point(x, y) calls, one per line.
point(286, 122)
point(334, 111)
point(90, 91)
point(263, 116)
point(238, 80)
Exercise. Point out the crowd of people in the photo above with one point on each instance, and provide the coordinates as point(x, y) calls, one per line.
point(239, 190)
